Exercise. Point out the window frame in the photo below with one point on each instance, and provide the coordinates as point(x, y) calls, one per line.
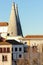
point(0, 50)
point(15, 49)
point(20, 49)
point(20, 55)
point(4, 58)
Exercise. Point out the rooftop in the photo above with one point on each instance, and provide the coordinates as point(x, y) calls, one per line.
point(3, 24)
point(4, 43)
point(34, 36)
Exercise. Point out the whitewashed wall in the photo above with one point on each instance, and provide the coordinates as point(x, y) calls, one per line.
point(3, 30)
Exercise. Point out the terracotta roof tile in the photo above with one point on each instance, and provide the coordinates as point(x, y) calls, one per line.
point(3, 24)
point(5, 43)
point(34, 36)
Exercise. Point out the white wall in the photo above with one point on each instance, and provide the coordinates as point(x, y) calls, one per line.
point(3, 30)
point(36, 42)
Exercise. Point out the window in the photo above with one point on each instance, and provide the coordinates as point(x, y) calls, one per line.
point(4, 57)
point(15, 49)
point(34, 48)
point(8, 34)
point(20, 55)
point(4, 50)
point(8, 50)
point(0, 50)
point(20, 49)
point(25, 49)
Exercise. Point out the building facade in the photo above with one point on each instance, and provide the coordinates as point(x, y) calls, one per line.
point(34, 53)
point(3, 29)
point(5, 53)
point(16, 49)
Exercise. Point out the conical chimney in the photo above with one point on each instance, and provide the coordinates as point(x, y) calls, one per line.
point(19, 29)
point(14, 27)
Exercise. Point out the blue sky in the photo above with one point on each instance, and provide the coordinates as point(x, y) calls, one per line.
point(30, 13)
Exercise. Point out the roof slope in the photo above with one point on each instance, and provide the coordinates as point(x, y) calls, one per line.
point(5, 43)
point(3, 24)
point(34, 36)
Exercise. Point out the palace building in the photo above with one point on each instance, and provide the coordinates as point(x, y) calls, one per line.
point(16, 49)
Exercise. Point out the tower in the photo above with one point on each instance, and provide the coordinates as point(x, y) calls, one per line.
point(14, 27)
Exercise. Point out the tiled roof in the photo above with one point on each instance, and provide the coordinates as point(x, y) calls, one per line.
point(3, 24)
point(4, 43)
point(34, 36)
